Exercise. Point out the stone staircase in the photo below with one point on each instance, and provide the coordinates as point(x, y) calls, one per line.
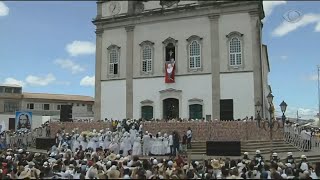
point(279, 146)
point(198, 148)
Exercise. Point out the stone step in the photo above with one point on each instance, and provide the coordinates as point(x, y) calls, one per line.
point(258, 141)
point(262, 144)
point(274, 150)
point(264, 147)
point(260, 148)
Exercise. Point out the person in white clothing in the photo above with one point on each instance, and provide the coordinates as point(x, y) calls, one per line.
point(136, 149)
point(171, 144)
point(127, 144)
point(166, 147)
point(189, 138)
point(133, 133)
point(146, 144)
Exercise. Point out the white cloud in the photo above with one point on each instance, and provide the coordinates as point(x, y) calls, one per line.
point(69, 65)
point(87, 81)
point(304, 113)
point(4, 10)
point(12, 81)
point(284, 57)
point(81, 48)
point(313, 78)
point(286, 27)
point(40, 81)
point(269, 6)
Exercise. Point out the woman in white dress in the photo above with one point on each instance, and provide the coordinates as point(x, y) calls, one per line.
point(75, 142)
point(101, 140)
point(92, 143)
point(128, 146)
point(107, 139)
point(157, 145)
point(133, 133)
point(122, 142)
point(83, 141)
point(114, 147)
point(166, 147)
point(136, 149)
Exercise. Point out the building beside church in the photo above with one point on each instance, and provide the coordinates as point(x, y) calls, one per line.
point(43, 106)
point(186, 59)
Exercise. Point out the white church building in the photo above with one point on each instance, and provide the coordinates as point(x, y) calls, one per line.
point(180, 59)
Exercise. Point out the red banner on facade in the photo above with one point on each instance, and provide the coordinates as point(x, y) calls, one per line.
point(170, 68)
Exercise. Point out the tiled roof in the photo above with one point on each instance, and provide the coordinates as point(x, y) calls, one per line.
point(63, 97)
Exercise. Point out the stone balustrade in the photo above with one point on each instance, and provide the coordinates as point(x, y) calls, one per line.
point(202, 131)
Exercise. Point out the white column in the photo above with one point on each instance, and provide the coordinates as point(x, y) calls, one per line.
point(97, 102)
point(129, 72)
point(215, 65)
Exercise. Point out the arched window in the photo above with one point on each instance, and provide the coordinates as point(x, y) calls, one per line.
point(147, 56)
point(195, 111)
point(194, 55)
point(147, 112)
point(235, 52)
point(114, 58)
point(194, 46)
point(147, 59)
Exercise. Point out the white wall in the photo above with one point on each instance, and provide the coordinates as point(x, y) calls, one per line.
point(239, 22)
point(239, 87)
point(113, 99)
point(193, 86)
point(114, 37)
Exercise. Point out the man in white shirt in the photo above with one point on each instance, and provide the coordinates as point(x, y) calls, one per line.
point(171, 144)
point(189, 137)
point(308, 139)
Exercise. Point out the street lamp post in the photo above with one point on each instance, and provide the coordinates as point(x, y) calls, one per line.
point(258, 107)
point(271, 122)
point(283, 107)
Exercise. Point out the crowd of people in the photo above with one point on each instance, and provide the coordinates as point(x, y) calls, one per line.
point(304, 137)
point(125, 138)
point(63, 163)
point(126, 151)
point(23, 138)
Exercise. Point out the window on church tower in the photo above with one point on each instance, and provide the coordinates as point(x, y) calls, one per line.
point(146, 56)
point(194, 46)
point(194, 55)
point(235, 52)
point(147, 59)
point(114, 61)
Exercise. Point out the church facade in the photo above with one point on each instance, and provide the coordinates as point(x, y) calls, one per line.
point(180, 59)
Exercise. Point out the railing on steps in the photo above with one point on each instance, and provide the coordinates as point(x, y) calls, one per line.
point(302, 140)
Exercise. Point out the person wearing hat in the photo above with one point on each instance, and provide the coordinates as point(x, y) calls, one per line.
point(258, 157)
point(304, 164)
point(246, 157)
point(216, 167)
point(275, 158)
point(289, 158)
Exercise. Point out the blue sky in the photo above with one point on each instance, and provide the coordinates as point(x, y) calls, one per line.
point(49, 47)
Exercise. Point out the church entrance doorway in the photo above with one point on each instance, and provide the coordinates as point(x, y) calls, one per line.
point(170, 108)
